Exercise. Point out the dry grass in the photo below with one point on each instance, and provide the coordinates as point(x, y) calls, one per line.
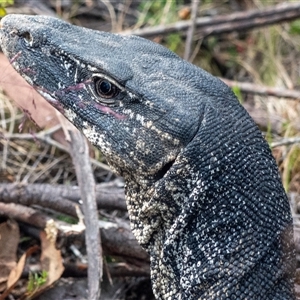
point(29, 161)
point(26, 159)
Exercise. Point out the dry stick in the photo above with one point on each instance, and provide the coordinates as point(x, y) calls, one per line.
point(286, 142)
point(191, 30)
point(112, 14)
point(28, 196)
point(239, 21)
point(80, 155)
point(262, 90)
point(39, 8)
point(24, 214)
point(60, 198)
point(122, 270)
point(114, 269)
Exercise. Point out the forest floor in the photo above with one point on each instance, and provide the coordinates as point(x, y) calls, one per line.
point(258, 57)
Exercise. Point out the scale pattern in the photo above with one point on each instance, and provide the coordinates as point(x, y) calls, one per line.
point(203, 191)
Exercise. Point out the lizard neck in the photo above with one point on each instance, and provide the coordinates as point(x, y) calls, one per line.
point(154, 205)
point(206, 194)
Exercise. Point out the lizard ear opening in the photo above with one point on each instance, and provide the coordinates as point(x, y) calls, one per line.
point(162, 172)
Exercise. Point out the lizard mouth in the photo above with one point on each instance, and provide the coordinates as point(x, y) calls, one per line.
point(46, 95)
point(50, 99)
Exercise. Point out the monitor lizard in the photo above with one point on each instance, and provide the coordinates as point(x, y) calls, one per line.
point(203, 191)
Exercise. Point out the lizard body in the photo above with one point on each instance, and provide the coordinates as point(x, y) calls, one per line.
point(203, 191)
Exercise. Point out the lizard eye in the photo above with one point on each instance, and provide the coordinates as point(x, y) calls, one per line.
point(105, 88)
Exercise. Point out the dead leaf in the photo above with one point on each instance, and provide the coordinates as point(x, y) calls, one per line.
point(25, 96)
point(51, 259)
point(184, 13)
point(52, 264)
point(9, 239)
point(16, 272)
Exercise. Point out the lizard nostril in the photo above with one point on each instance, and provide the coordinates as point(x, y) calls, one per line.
point(27, 37)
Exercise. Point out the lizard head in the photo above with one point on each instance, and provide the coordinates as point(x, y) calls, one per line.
point(134, 99)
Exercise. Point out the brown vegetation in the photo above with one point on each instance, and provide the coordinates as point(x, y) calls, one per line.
point(254, 48)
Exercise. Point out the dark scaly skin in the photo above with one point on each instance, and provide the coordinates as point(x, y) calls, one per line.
point(203, 191)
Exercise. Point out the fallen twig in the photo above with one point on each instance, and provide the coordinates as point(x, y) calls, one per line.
point(114, 269)
point(61, 198)
point(239, 21)
point(191, 30)
point(286, 142)
point(263, 90)
point(24, 214)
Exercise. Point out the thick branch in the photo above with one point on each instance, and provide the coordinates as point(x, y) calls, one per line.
point(60, 197)
point(114, 270)
point(118, 241)
point(24, 214)
point(118, 270)
point(239, 21)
